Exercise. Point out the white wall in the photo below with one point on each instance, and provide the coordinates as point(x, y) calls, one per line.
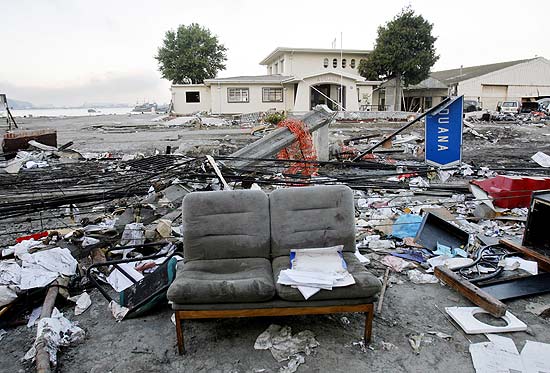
point(300, 64)
point(183, 107)
point(220, 105)
point(530, 79)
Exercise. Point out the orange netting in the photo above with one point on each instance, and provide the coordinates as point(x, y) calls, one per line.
point(301, 149)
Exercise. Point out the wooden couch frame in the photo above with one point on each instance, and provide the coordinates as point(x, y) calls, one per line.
point(181, 315)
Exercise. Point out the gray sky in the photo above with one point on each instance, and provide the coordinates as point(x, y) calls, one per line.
point(67, 52)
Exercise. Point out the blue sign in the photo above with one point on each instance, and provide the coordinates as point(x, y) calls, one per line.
point(444, 134)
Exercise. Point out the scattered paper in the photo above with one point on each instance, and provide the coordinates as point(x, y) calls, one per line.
point(542, 159)
point(56, 331)
point(501, 355)
point(7, 295)
point(43, 267)
point(396, 263)
point(417, 277)
point(33, 318)
point(118, 311)
point(512, 263)
point(10, 272)
point(283, 345)
point(362, 259)
point(314, 269)
point(417, 341)
point(119, 281)
point(83, 302)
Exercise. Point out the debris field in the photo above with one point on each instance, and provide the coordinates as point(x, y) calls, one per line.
point(79, 219)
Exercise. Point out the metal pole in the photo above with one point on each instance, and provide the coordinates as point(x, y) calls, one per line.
point(341, 67)
point(398, 131)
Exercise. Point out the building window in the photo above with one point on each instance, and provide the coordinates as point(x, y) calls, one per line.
point(192, 96)
point(427, 102)
point(344, 62)
point(272, 95)
point(237, 94)
point(282, 64)
point(335, 63)
point(325, 63)
point(276, 68)
point(352, 63)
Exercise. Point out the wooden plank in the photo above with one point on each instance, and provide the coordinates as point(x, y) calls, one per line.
point(542, 260)
point(290, 311)
point(368, 309)
point(470, 291)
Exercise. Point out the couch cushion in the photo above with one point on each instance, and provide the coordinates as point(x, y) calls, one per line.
point(225, 225)
point(308, 217)
point(222, 281)
point(366, 284)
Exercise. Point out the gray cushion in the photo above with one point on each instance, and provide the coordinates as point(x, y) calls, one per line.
point(222, 281)
point(366, 284)
point(309, 217)
point(274, 303)
point(225, 225)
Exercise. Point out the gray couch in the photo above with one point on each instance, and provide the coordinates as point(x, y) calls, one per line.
point(237, 242)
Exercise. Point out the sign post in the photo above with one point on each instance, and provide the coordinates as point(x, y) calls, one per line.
point(443, 144)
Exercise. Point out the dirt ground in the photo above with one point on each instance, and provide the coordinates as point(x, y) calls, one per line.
point(148, 344)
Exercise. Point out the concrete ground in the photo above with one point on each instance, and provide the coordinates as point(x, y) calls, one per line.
point(148, 344)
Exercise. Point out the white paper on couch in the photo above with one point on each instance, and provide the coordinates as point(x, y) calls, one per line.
point(312, 270)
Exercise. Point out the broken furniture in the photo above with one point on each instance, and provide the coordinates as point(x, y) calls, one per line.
point(146, 293)
point(434, 230)
point(236, 243)
point(489, 296)
point(512, 191)
point(536, 235)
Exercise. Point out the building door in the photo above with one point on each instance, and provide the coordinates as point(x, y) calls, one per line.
point(318, 95)
point(492, 94)
point(327, 94)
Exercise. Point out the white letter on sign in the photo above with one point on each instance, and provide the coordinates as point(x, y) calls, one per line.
point(441, 147)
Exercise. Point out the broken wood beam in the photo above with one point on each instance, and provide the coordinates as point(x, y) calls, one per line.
point(383, 291)
point(542, 260)
point(42, 356)
point(471, 292)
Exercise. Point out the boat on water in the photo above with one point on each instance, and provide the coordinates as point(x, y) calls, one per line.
point(146, 108)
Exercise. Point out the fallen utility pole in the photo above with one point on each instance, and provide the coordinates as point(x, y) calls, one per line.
point(437, 108)
point(280, 138)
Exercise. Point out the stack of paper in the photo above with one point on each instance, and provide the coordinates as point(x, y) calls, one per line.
point(314, 269)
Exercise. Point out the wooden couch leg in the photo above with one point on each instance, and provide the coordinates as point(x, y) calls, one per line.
point(179, 334)
point(369, 315)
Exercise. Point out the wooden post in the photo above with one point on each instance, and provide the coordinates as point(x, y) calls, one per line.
point(383, 291)
point(42, 357)
point(470, 291)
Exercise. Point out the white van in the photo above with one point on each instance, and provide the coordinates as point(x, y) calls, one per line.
point(510, 107)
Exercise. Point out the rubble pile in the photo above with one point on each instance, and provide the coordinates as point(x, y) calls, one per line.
point(114, 225)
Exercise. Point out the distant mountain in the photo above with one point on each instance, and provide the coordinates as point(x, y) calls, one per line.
point(16, 104)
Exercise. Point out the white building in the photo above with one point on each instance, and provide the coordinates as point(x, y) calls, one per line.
point(297, 79)
point(522, 80)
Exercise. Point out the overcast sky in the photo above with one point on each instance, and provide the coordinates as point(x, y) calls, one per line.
point(67, 52)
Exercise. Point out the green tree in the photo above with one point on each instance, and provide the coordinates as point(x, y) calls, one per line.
point(404, 50)
point(190, 54)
